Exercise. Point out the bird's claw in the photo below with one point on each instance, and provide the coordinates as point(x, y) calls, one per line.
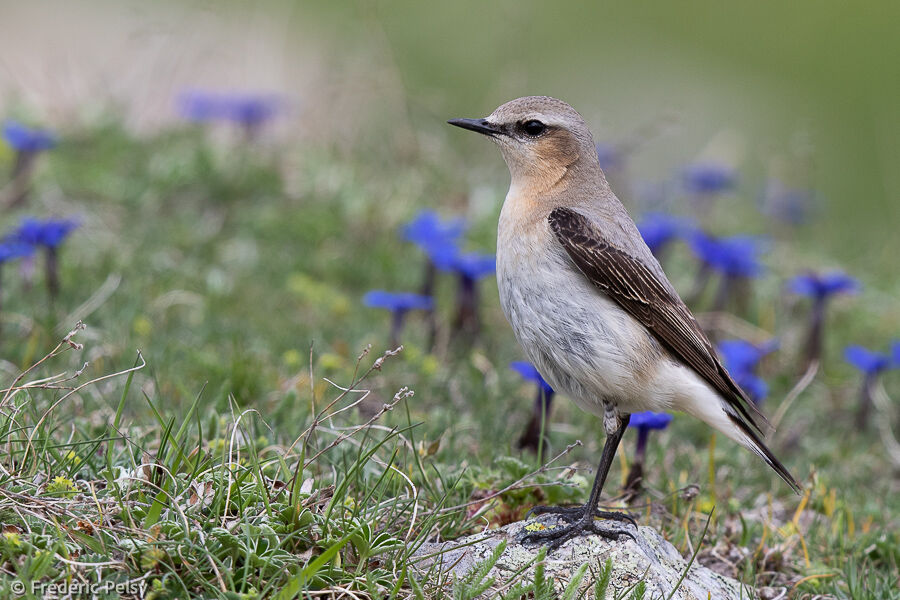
point(568, 512)
point(581, 523)
point(557, 536)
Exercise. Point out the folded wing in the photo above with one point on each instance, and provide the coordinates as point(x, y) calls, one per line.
point(637, 289)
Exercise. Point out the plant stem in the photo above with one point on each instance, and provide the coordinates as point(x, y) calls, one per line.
point(397, 318)
point(467, 307)
point(428, 282)
point(814, 339)
point(865, 401)
point(635, 478)
point(51, 271)
point(531, 437)
point(21, 178)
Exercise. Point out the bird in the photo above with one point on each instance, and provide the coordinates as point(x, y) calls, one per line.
point(590, 305)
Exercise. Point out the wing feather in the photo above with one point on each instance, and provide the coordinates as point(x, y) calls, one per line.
point(637, 289)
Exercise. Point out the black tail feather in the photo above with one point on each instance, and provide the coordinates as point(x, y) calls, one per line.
point(763, 451)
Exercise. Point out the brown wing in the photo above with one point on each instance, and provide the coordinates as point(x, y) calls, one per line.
point(635, 288)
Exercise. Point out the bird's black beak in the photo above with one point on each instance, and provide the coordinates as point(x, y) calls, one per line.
point(479, 125)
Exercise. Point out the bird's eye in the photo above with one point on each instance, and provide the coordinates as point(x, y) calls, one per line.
point(533, 127)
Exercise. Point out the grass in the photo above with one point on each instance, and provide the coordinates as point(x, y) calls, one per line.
point(242, 430)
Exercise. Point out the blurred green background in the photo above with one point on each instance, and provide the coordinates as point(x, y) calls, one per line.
point(774, 73)
point(815, 84)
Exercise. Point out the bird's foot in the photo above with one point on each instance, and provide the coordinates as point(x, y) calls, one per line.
point(572, 513)
point(582, 522)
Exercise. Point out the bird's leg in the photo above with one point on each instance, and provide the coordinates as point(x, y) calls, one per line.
point(581, 518)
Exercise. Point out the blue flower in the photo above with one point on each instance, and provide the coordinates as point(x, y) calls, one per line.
point(741, 355)
point(650, 420)
point(610, 156)
point(644, 422)
point(427, 226)
point(437, 238)
point(11, 249)
point(397, 301)
point(822, 286)
point(742, 359)
point(735, 256)
point(530, 373)
point(473, 265)
point(867, 361)
point(49, 233)
point(753, 386)
point(248, 109)
point(658, 229)
point(708, 178)
point(26, 139)
point(895, 352)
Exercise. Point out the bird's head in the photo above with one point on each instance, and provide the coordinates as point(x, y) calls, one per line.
point(542, 139)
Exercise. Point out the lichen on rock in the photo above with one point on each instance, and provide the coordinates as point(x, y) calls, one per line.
point(648, 558)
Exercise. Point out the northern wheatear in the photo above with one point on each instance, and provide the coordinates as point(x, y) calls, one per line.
point(591, 306)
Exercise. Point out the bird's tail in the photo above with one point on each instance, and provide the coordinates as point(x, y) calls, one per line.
point(709, 407)
point(755, 443)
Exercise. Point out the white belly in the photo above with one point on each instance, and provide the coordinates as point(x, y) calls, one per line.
point(581, 341)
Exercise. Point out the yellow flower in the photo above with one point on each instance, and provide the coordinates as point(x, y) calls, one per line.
point(292, 359)
point(74, 458)
point(331, 361)
point(61, 486)
point(151, 557)
point(430, 364)
point(142, 326)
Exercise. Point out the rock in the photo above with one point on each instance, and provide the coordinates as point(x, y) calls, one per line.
point(647, 558)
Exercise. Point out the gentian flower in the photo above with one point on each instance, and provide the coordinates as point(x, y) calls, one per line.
point(867, 361)
point(11, 248)
point(658, 229)
point(872, 365)
point(438, 239)
point(530, 438)
point(644, 422)
point(27, 143)
point(790, 205)
point(399, 303)
point(470, 268)
point(707, 178)
point(427, 226)
point(48, 234)
point(26, 139)
point(735, 258)
point(820, 288)
point(249, 110)
point(742, 359)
